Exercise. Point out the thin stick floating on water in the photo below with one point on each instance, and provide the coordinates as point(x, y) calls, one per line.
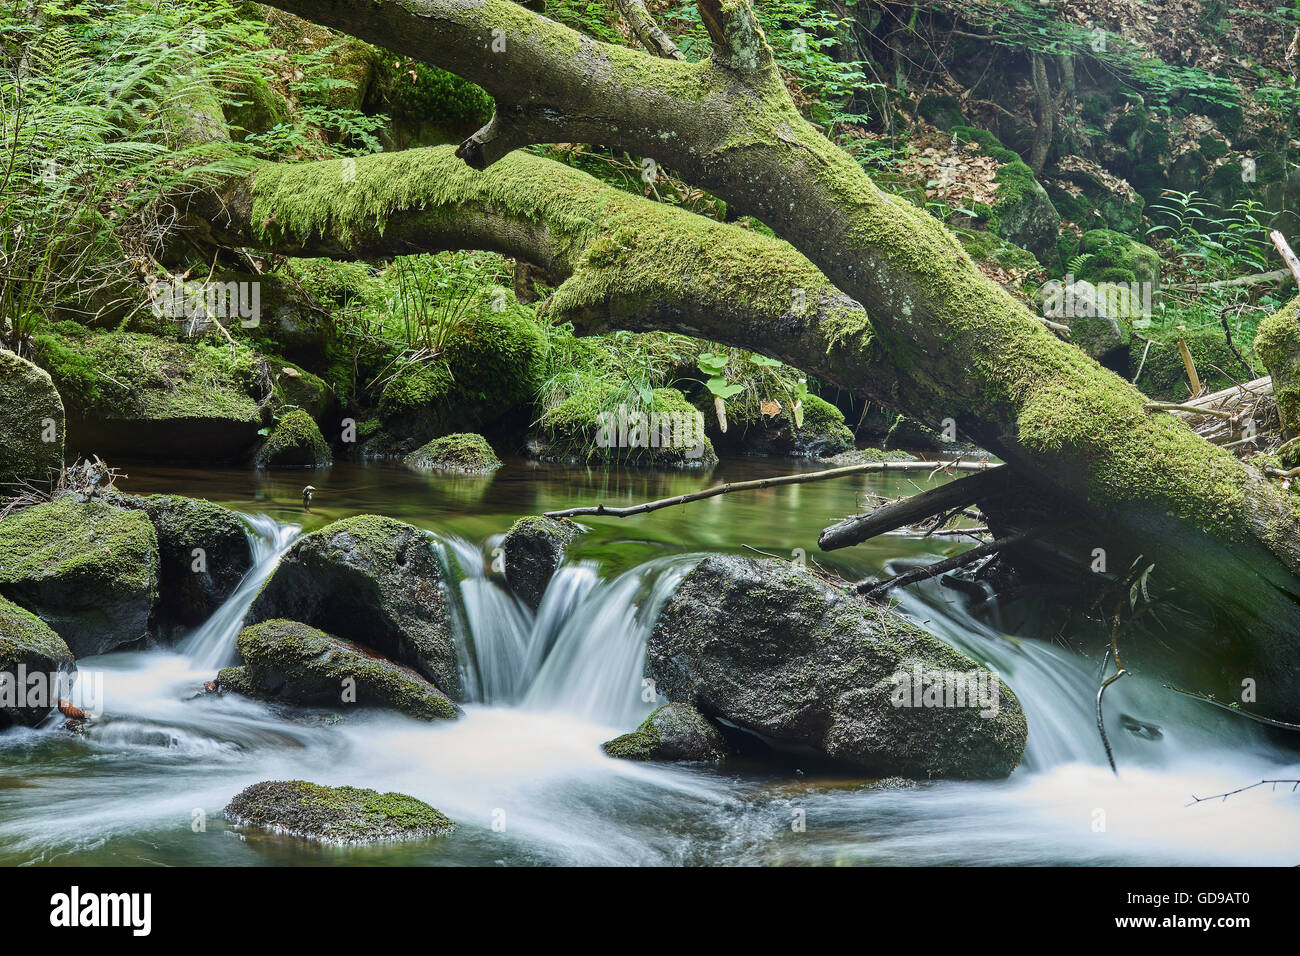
point(729, 487)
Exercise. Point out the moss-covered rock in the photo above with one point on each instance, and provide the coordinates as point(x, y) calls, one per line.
point(771, 649)
point(344, 815)
point(823, 432)
point(1022, 213)
point(373, 581)
point(1109, 256)
point(88, 569)
point(292, 662)
point(28, 642)
point(297, 387)
point(465, 452)
point(203, 550)
point(136, 396)
point(491, 367)
point(1277, 343)
point(864, 456)
point(1164, 375)
point(31, 421)
point(294, 442)
point(674, 732)
point(592, 425)
point(533, 550)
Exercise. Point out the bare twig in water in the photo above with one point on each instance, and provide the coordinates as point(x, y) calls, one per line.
point(1231, 793)
point(877, 589)
point(1233, 710)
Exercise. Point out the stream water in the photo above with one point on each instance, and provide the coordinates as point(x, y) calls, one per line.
point(523, 775)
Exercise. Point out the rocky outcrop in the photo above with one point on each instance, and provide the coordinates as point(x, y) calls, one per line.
point(27, 642)
point(133, 396)
point(773, 650)
point(86, 568)
point(291, 662)
point(343, 815)
point(464, 452)
point(675, 732)
point(534, 550)
point(373, 581)
point(294, 442)
point(31, 421)
point(203, 550)
point(822, 432)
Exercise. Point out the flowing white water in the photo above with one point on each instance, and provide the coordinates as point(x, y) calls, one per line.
point(523, 775)
point(212, 645)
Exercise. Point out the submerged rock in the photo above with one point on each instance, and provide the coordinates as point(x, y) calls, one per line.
point(335, 814)
point(31, 421)
point(294, 442)
point(88, 569)
point(26, 641)
point(193, 585)
point(291, 662)
point(465, 452)
point(673, 732)
point(773, 650)
point(374, 581)
point(534, 549)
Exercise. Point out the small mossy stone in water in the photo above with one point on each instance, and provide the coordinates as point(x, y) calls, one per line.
point(465, 452)
point(674, 732)
point(533, 550)
point(294, 442)
point(292, 662)
point(343, 815)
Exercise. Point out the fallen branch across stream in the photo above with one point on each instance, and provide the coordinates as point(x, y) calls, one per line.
point(897, 514)
point(759, 483)
point(877, 589)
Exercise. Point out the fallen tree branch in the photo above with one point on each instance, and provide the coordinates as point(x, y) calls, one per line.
point(955, 494)
point(1284, 250)
point(729, 487)
point(1190, 409)
point(1276, 275)
point(874, 590)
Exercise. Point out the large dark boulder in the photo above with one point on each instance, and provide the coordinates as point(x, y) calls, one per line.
point(674, 732)
point(87, 568)
point(193, 585)
point(374, 581)
point(27, 642)
point(291, 662)
point(773, 650)
point(334, 814)
point(533, 550)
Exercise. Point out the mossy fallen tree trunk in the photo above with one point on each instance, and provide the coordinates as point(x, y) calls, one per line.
point(958, 345)
point(937, 339)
